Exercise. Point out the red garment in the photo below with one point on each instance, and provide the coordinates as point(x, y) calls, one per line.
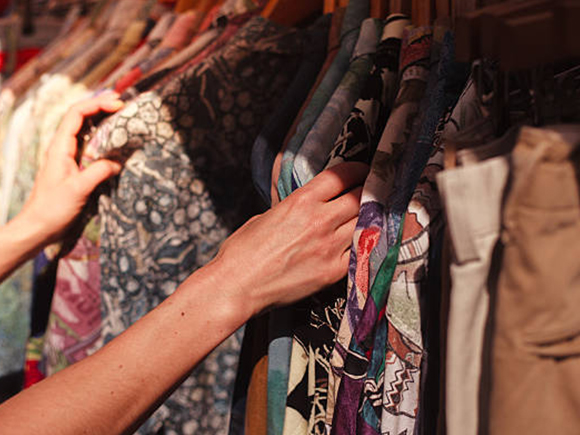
point(22, 56)
point(32, 373)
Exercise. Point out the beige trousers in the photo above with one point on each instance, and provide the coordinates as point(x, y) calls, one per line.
point(536, 340)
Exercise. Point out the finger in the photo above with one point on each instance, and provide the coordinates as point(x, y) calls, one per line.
point(344, 262)
point(73, 120)
point(344, 235)
point(332, 182)
point(95, 174)
point(345, 207)
point(65, 138)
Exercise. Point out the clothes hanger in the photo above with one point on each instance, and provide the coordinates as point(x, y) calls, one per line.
point(379, 8)
point(532, 43)
point(329, 6)
point(186, 5)
point(468, 27)
point(422, 12)
point(491, 20)
point(27, 19)
point(548, 35)
point(400, 7)
point(291, 12)
point(442, 9)
point(204, 6)
point(478, 33)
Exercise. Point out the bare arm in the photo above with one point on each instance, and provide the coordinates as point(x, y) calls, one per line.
point(260, 266)
point(277, 258)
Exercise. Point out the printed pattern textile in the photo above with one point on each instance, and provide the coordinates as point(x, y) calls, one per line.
point(359, 136)
point(333, 47)
point(16, 290)
point(354, 15)
point(248, 394)
point(270, 139)
point(204, 45)
point(184, 188)
point(71, 336)
point(74, 324)
point(312, 155)
point(372, 337)
point(317, 320)
point(177, 37)
point(47, 103)
point(153, 39)
point(314, 336)
point(280, 329)
point(415, 50)
point(403, 325)
point(131, 38)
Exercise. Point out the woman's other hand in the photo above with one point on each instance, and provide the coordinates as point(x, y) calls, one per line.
point(61, 188)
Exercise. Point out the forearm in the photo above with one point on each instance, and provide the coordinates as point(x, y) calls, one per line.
point(113, 390)
point(20, 240)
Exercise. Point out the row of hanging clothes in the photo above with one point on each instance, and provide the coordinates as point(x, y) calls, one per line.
point(456, 315)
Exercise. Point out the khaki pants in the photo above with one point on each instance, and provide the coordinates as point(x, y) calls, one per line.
point(536, 340)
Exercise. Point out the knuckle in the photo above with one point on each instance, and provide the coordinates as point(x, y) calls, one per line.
point(320, 223)
point(330, 177)
point(301, 200)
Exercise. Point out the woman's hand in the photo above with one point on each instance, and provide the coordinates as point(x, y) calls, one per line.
point(295, 249)
point(61, 189)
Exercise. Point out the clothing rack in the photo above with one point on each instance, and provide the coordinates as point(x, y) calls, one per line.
point(230, 107)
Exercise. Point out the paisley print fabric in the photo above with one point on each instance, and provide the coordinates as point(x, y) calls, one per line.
point(185, 186)
point(75, 324)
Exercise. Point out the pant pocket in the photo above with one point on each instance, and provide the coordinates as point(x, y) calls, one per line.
point(557, 343)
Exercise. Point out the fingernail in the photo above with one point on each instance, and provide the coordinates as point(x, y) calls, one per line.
point(116, 167)
point(112, 93)
point(117, 104)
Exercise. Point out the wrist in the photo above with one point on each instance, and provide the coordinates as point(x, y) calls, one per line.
point(26, 233)
point(30, 229)
point(20, 240)
point(214, 286)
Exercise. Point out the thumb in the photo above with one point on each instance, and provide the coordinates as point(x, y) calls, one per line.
point(89, 178)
